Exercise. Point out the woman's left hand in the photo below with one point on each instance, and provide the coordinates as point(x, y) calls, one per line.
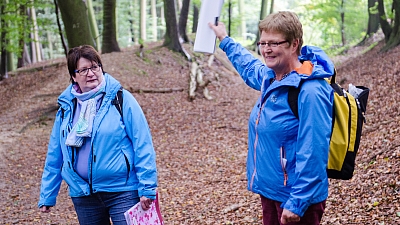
point(288, 216)
point(145, 202)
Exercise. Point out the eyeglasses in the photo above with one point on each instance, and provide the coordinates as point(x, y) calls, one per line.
point(84, 72)
point(270, 44)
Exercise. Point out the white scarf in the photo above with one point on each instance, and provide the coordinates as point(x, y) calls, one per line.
point(83, 127)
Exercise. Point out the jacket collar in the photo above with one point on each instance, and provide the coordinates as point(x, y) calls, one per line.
point(111, 89)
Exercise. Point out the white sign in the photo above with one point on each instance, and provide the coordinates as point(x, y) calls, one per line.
point(210, 11)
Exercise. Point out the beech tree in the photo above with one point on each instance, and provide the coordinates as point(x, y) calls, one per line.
point(373, 19)
point(110, 43)
point(143, 22)
point(183, 17)
point(391, 31)
point(76, 22)
point(3, 51)
point(195, 16)
point(263, 14)
point(171, 38)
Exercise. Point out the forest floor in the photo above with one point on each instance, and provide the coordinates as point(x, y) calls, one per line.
point(201, 144)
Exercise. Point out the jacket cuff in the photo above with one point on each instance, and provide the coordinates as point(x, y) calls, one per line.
point(48, 202)
point(224, 42)
point(296, 206)
point(148, 194)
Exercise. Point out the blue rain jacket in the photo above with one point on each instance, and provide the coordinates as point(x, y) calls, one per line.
point(280, 136)
point(122, 156)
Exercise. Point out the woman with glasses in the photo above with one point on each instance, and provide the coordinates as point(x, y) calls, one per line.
point(287, 155)
point(106, 157)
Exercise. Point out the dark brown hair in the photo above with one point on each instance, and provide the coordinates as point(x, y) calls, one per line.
point(83, 51)
point(286, 23)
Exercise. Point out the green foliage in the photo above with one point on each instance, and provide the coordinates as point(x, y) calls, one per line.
point(323, 18)
point(15, 25)
point(321, 21)
point(374, 9)
point(18, 26)
point(251, 16)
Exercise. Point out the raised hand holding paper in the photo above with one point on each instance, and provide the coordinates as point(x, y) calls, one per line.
point(210, 11)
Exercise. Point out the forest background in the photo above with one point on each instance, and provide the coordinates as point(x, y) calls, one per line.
point(148, 46)
point(36, 30)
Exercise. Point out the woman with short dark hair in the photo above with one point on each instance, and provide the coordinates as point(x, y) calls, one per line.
point(105, 156)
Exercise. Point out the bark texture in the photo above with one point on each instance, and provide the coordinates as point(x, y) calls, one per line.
point(76, 23)
point(110, 43)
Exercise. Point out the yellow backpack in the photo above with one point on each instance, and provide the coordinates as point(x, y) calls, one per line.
point(347, 121)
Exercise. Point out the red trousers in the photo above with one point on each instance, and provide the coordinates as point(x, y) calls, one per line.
point(272, 213)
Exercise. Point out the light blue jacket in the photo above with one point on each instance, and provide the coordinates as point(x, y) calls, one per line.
point(122, 156)
point(303, 142)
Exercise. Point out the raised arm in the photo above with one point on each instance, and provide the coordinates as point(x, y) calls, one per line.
point(252, 70)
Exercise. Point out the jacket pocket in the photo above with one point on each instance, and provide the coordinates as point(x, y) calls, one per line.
point(128, 167)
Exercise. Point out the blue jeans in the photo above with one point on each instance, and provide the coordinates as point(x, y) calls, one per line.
point(99, 207)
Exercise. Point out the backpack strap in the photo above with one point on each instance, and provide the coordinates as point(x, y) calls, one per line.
point(118, 100)
point(62, 111)
point(293, 99)
point(293, 93)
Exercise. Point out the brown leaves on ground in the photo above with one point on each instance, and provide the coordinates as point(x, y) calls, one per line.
point(201, 145)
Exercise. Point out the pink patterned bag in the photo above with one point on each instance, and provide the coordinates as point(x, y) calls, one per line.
point(137, 216)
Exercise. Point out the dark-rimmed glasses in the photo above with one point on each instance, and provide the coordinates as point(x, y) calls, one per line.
point(85, 71)
point(270, 44)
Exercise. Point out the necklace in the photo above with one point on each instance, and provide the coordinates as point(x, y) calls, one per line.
point(283, 77)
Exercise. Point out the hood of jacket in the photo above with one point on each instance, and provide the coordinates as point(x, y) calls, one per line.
point(323, 67)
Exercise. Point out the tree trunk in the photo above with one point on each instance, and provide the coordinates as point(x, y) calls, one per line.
point(162, 19)
point(263, 14)
point(76, 23)
point(183, 20)
point(171, 39)
point(26, 57)
point(342, 24)
point(36, 35)
point(10, 61)
point(3, 52)
point(65, 46)
point(110, 43)
point(242, 20)
point(195, 17)
point(394, 38)
point(154, 19)
point(373, 20)
point(271, 9)
point(229, 17)
point(373, 17)
point(93, 24)
point(33, 48)
point(36, 51)
point(386, 28)
point(21, 41)
point(143, 22)
point(49, 36)
point(133, 20)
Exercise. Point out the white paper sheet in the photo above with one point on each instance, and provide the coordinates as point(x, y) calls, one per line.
point(210, 11)
point(137, 216)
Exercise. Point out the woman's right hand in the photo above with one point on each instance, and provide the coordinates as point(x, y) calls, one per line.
point(45, 209)
point(145, 203)
point(219, 30)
